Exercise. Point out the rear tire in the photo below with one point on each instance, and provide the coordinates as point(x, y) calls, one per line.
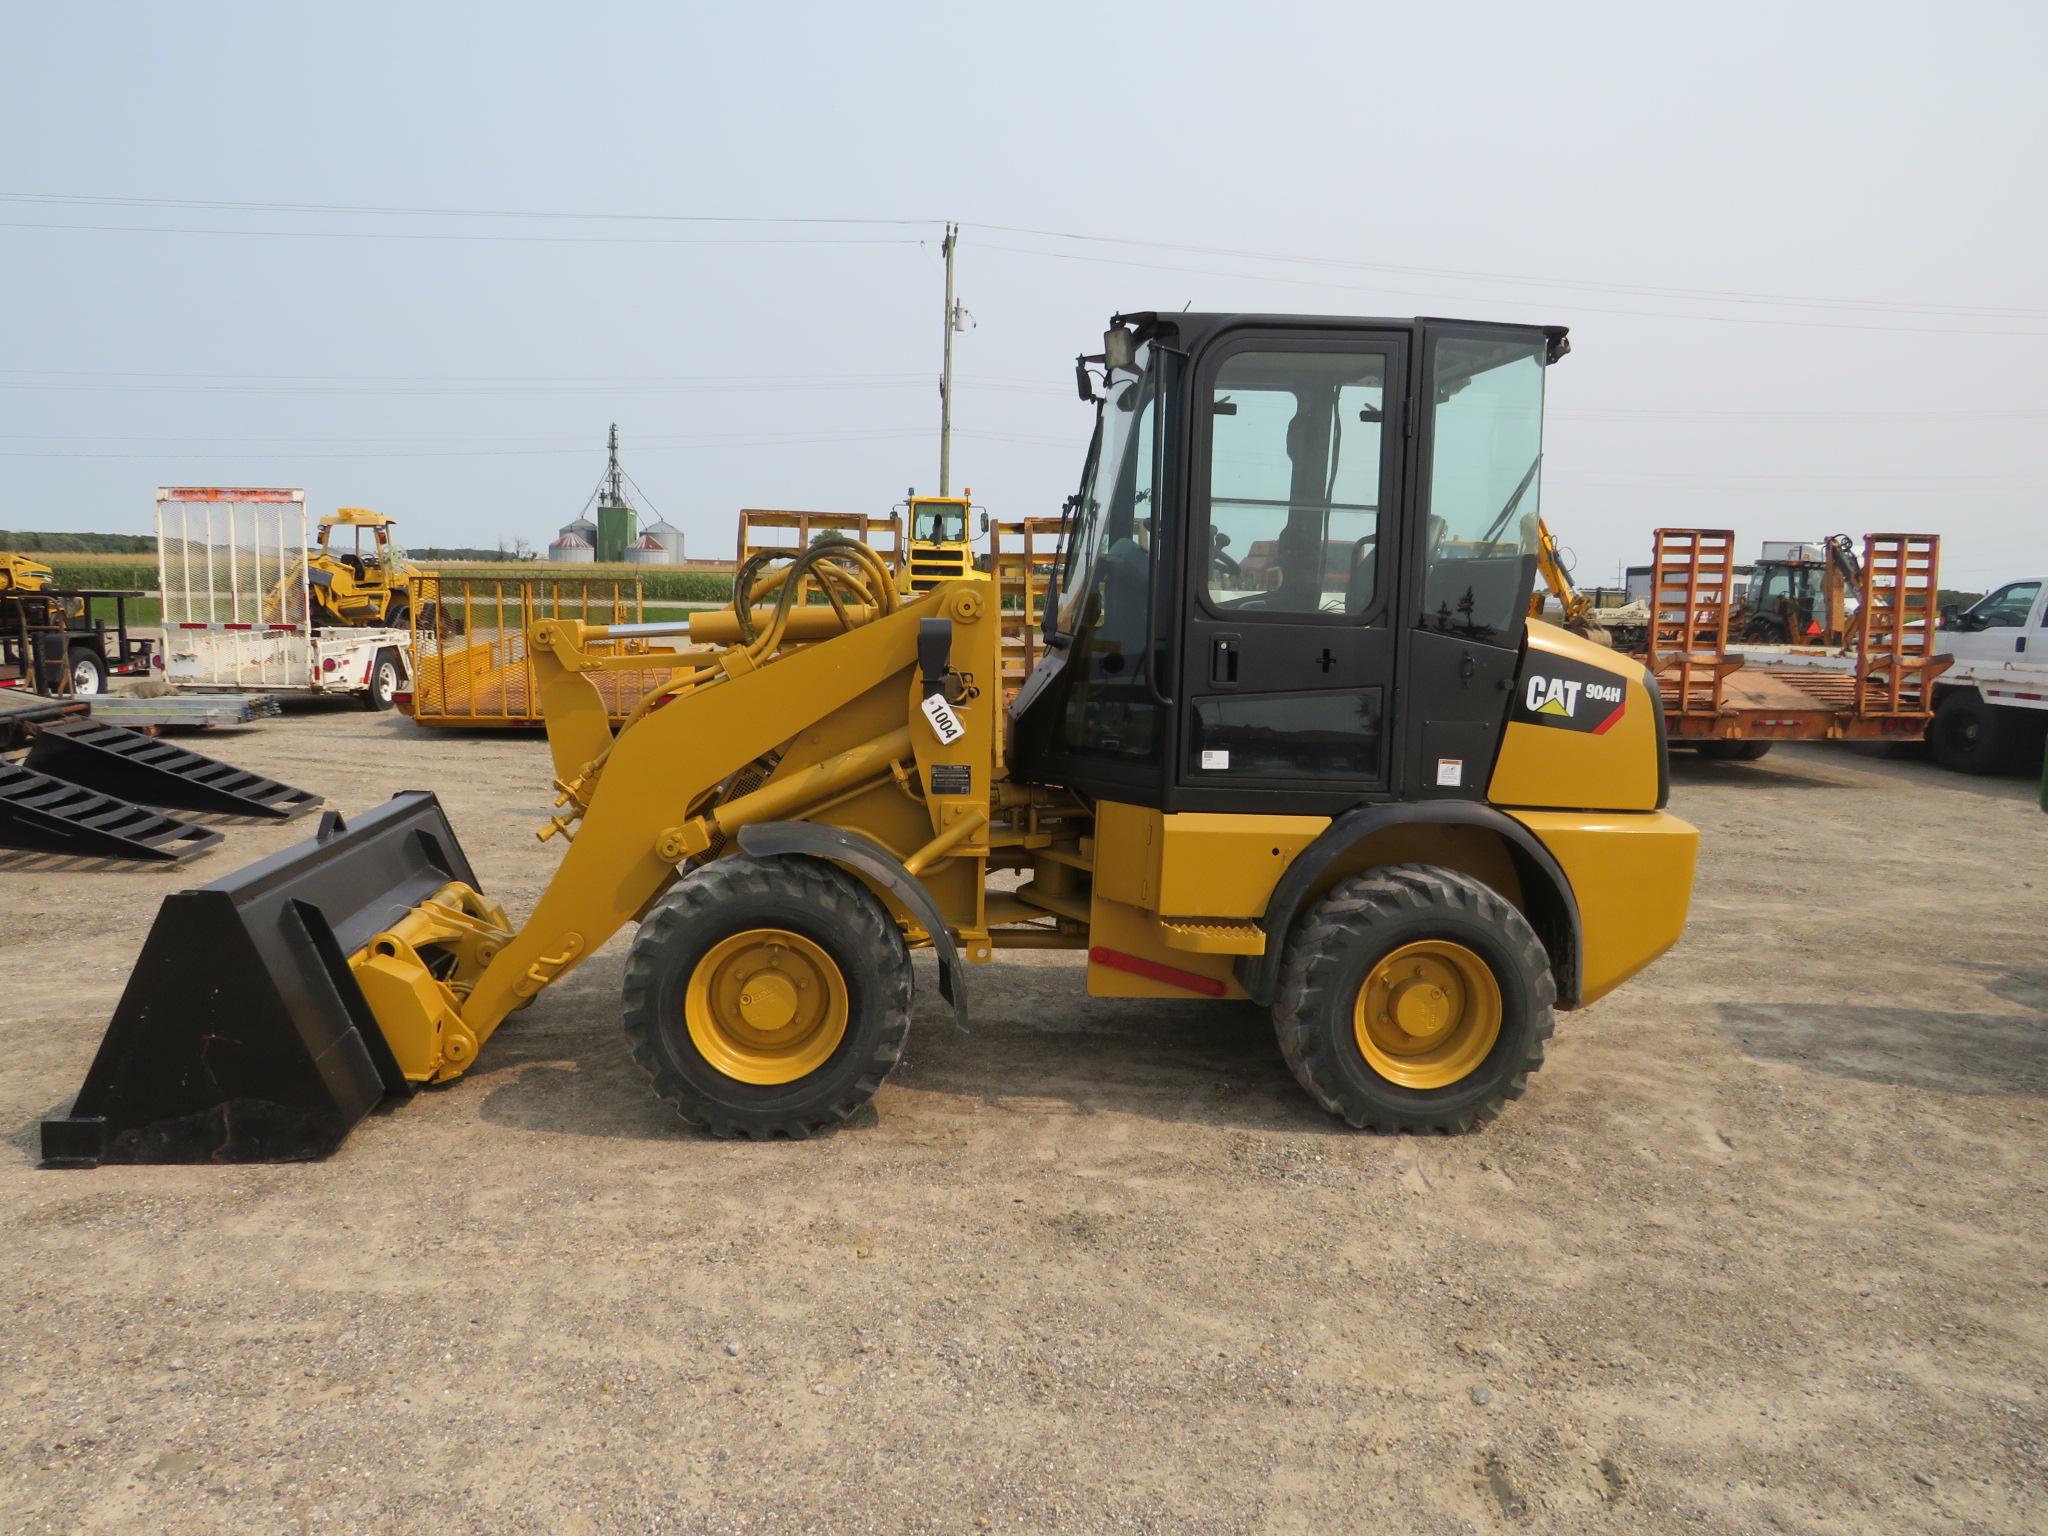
point(1404, 948)
point(383, 688)
point(777, 1068)
point(88, 673)
point(1967, 734)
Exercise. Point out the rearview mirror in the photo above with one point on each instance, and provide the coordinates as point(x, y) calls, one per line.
point(1949, 614)
point(984, 522)
point(1084, 381)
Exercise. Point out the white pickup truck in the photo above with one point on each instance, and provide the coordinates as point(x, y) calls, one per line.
point(1991, 705)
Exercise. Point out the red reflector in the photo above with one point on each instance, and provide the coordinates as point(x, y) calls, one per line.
point(157, 662)
point(192, 626)
point(290, 629)
point(238, 626)
point(1152, 970)
point(327, 664)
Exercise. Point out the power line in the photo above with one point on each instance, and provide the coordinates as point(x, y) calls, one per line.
point(442, 235)
point(84, 199)
point(700, 444)
point(1304, 282)
point(1517, 279)
point(1647, 290)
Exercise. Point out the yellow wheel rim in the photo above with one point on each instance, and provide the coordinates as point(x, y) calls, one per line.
point(766, 1006)
point(1428, 1014)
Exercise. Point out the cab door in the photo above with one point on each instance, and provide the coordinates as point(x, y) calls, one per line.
point(1290, 569)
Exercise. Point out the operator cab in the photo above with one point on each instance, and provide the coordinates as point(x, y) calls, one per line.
point(936, 521)
point(361, 557)
point(1286, 527)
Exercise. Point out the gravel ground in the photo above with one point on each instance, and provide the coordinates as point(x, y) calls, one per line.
point(1762, 1250)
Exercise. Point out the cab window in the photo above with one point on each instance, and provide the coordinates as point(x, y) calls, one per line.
point(2008, 607)
point(1296, 466)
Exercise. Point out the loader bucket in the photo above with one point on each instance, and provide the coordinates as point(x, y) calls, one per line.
point(242, 1036)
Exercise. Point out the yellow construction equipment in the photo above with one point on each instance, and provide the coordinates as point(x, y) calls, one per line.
point(18, 573)
point(1362, 790)
point(941, 545)
point(362, 586)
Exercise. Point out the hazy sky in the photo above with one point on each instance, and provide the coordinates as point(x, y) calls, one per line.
point(1799, 247)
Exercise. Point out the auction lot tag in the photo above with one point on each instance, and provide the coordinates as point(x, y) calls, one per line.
point(945, 724)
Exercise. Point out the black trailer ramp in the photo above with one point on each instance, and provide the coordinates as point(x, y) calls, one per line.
point(40, 814)
point(136, 766)
point(242, 1036)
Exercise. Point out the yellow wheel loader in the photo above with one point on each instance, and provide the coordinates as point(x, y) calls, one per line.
point(1362, 790)
point(362, 586)
point(941, 545)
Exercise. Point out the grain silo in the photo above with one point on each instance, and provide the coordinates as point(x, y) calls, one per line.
point(572, 548)
point(668, 536)
point(647, 550)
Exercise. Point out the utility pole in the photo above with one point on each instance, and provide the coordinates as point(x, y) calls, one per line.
point(946, 378)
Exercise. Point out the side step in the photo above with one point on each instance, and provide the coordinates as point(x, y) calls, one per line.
point(1213, 938)
point(45, 815)
point(117, 761)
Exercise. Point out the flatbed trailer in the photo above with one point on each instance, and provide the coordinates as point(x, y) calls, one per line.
point(51, 641)
point(232, 565)
point(1716, 694)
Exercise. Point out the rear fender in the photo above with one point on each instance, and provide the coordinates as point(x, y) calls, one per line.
point(1547, 899)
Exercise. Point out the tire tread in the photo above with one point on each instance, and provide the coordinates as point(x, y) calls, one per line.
point(1315, 958)
point(805, 885)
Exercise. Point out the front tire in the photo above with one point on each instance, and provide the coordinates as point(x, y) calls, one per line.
point(767, 997)
point(1414, 998)
point(1967, 734)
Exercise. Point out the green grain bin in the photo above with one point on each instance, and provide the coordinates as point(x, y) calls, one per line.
point(617, 528)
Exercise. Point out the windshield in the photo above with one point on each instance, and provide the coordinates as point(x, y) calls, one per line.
point(939, 523)
point(1101, 519)
point(1111, 705)
point(1484, 487)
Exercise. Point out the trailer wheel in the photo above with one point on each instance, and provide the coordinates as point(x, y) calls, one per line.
point(1733, 751)
point(1414, 998)
point(88, 673)
point(383, 687)
point(767, 997)
point(1967, 734)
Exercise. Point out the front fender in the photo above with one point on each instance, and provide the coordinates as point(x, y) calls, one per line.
point(865, 856)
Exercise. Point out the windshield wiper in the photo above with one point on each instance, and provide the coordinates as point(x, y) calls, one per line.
point(1514, 501)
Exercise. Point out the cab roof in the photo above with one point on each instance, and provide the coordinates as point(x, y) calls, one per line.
point(1190, 330)
point(358, 517)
